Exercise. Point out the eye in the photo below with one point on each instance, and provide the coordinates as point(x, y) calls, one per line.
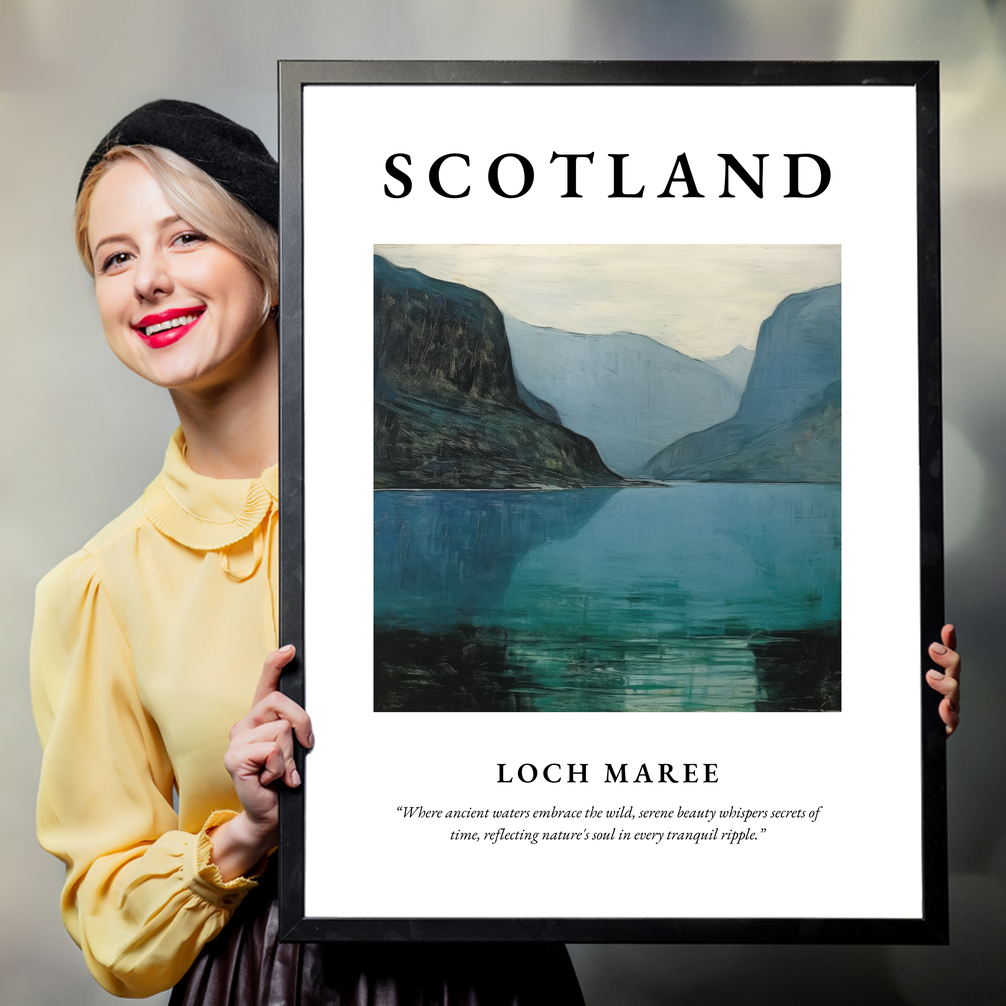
point(189, 239)
point(115, 261)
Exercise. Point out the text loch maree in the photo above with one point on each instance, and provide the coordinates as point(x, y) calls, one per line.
point(686, 772)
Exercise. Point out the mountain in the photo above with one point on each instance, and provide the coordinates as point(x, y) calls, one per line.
point(447, 411)
point(736, 365)
point(629, 394)
point(788, 426)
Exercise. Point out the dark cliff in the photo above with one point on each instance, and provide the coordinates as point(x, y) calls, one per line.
point(447, 413)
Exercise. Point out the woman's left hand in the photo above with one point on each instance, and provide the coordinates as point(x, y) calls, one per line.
point(948, 681)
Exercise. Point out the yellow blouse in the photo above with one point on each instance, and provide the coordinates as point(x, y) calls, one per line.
point(147, 647)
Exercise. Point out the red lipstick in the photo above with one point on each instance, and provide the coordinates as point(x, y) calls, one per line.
point(166, 327)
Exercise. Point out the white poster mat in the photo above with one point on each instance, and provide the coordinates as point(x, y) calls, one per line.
point(861, 857)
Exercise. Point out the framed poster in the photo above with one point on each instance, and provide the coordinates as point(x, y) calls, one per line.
point(611, 501)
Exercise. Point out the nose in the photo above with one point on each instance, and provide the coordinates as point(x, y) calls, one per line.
point(152, 276)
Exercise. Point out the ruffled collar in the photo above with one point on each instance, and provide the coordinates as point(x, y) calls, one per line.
point(203, 513)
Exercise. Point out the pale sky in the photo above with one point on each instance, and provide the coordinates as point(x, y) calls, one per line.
point(700, 299)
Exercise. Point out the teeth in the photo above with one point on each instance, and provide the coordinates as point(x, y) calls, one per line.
point(174, 323)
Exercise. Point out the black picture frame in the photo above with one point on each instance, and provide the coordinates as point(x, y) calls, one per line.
point(931, 924)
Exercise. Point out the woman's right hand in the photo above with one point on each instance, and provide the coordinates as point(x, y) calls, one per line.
point(260, 753)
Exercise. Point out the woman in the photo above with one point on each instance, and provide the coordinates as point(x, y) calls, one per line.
point(149, 643)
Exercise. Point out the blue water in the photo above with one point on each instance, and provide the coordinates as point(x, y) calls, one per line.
point(677, 597)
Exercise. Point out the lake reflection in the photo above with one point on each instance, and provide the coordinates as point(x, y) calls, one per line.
point(690, 596)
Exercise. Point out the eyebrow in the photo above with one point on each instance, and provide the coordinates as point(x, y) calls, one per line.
point(111, 238)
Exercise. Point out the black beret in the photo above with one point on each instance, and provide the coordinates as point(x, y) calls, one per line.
point(231, 154)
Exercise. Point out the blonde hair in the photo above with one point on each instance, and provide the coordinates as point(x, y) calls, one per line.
point(199, 200)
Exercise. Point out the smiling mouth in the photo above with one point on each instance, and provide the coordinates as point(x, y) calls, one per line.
point(166, 322)
point(185, 319)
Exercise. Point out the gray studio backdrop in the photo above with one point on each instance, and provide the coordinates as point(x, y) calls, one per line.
point(82, 436)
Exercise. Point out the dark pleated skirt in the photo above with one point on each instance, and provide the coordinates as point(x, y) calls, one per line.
point(246, 965)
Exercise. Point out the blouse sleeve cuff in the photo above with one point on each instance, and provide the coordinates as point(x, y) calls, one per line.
point(202, 876)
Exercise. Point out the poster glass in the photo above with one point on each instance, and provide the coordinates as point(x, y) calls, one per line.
point(602, 502)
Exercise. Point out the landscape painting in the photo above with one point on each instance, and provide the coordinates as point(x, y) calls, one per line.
point(607, 478)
